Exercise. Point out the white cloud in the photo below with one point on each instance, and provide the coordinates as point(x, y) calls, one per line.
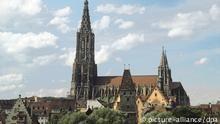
point(118, 59)
point(43, 60)
point(61, 92)
point(128, 41)
point(61, 19)
point(63, 12)
point(11, 82)
point(202, 61)
point(101, 24)
point(103, 54)
point(186, 24)
point(68, 57)
point(24, 7)
point(17, 42)
point(125, 43)
point(124, 24)
point(123, 9)
point(215, 12)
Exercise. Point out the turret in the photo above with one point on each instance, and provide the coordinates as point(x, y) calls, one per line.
point(164, 74)
point(128, 98)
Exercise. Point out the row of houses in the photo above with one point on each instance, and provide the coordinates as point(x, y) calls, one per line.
point(34, 110)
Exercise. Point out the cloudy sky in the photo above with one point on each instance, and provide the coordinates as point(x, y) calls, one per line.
point(37, 43)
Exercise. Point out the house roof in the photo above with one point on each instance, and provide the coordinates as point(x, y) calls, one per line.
point(137, 80)
point(127, 82)
point(7, 104)
point(176, 85)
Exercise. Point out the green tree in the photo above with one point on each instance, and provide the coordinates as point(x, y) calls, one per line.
point(74, 118)
point(106, 116)
point(188, 112)
point(98, 116)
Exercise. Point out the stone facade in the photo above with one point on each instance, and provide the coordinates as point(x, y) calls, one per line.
point(85, 69)
point(127, 95)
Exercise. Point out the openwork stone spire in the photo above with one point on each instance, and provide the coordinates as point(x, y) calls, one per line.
point(163, 60)
point(85, 23)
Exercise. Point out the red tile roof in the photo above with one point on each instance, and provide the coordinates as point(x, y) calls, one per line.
point(138, 80)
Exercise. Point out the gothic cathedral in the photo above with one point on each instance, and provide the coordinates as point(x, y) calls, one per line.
point(131, 94)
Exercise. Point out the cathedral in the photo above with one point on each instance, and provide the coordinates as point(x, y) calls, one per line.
point(126, 93)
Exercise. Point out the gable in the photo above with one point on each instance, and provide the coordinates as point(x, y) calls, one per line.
point(157, 98)
point(18, 108)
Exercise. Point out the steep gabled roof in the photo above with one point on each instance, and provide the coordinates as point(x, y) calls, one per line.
point(127, 82)
point(157, 90)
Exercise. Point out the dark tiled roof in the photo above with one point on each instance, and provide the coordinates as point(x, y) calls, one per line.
point(137, 80)
point(176, 85)
point(45, 106)
point(7, 104)
point(127, 82)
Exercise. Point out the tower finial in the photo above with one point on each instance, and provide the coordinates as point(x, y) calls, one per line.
point(86, 2)
point(163, 50)
point(163, 60)
point(86, 24)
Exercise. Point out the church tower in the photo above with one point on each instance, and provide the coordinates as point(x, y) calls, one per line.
point(128, 98)
point(84, 67)
point(164, 75)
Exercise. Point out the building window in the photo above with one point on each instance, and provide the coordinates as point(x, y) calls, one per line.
point(127, 99)
point(156, 94)
point(128, 106)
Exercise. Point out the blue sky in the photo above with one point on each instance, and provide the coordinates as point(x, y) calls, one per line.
point(38, 43)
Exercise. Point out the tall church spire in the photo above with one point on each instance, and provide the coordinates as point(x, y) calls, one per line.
point(164, 74)
point(84, 67)
point(163, 60)
point(85, 23)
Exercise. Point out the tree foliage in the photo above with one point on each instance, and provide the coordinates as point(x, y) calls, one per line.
point(73, 118)
point(188, 112)
point(106, 116)
point(99, 116)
